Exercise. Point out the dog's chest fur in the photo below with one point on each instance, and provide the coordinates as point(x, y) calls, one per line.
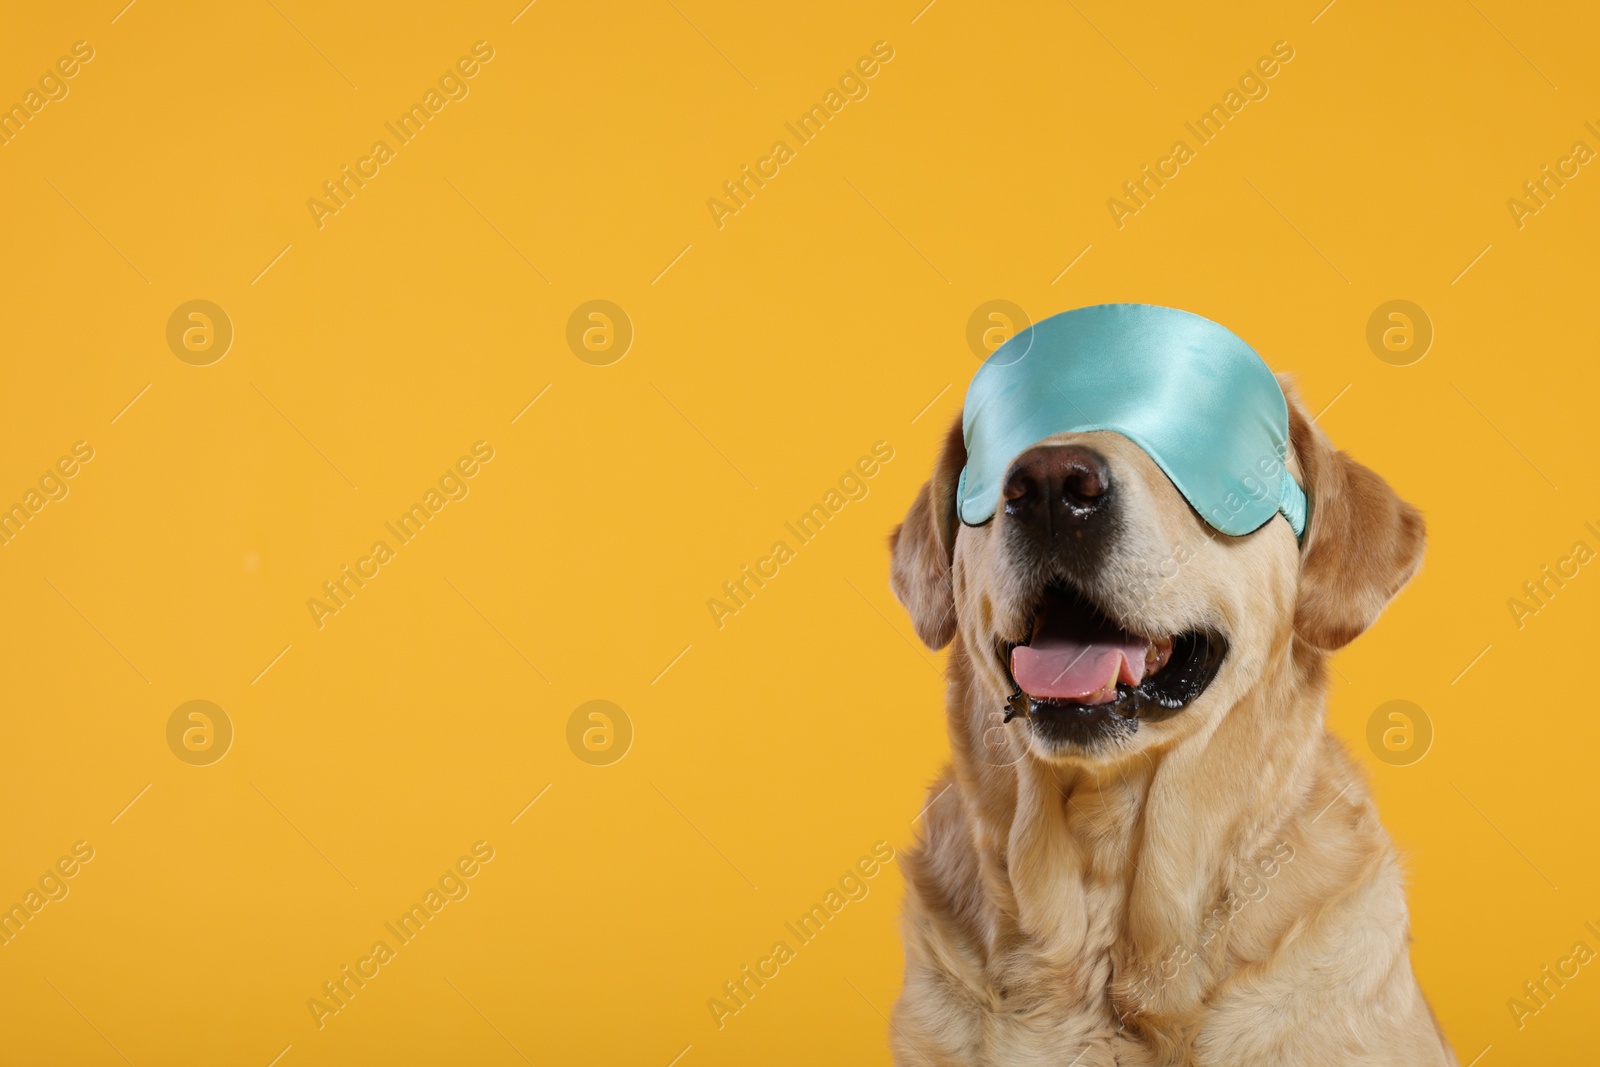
point(1047, 922)
point(1036, 963)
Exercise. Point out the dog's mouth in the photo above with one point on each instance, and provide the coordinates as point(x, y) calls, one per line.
point(1081, 674)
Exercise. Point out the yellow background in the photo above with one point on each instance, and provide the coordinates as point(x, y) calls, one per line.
point(769, 354)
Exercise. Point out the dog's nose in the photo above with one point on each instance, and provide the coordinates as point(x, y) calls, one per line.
point(1058, 485)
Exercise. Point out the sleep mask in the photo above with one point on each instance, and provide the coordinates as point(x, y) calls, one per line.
point(1195, 397)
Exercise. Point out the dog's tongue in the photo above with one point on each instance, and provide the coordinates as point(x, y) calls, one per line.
point(1079, 663)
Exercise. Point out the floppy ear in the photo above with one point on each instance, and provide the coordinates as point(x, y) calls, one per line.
point(1362, 545)
point(922, 548)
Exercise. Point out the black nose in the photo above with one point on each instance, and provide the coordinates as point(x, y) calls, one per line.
point(1058, 488)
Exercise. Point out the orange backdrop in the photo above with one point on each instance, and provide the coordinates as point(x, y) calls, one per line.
point(398, 381)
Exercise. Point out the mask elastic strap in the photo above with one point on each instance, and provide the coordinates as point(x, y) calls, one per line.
point(1292, 504)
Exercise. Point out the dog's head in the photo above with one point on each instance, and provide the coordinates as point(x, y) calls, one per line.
point(1102, 607)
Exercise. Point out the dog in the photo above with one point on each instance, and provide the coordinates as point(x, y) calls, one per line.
point(1187, 871)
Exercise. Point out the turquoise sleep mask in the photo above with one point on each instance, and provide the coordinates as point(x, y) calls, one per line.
point(1197, 399)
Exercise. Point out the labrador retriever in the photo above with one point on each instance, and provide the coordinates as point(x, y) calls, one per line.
point(1186, 867)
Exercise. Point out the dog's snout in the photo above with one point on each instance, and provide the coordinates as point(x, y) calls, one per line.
point(1057, 486)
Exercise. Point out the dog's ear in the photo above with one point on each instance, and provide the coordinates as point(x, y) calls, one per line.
point(922, 548)
point(1362, 543)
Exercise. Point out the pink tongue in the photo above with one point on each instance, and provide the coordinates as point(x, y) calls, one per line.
point(1080, 667)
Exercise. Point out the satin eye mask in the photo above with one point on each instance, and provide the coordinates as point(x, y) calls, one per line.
point(1195, 397)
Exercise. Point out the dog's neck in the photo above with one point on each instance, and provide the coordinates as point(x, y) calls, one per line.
point(1111, 869)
